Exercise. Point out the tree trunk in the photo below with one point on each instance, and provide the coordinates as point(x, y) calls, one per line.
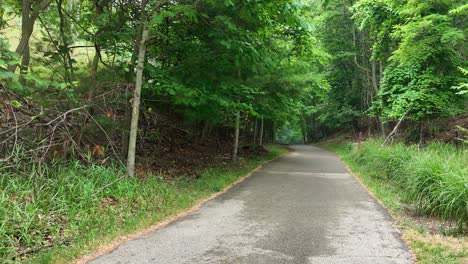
point(381, 70)
point(305, 132)
point(205, 130)
point(260, 141)
point(255, 131)
point(67, 61)
point(236, 138)
point(375, 86)
point(374, 78)
point(28, 18)
point(274, 132)
point(136, 103)
point(25, 64)
point(395, 129)
point(133, 59)
point(94, 69)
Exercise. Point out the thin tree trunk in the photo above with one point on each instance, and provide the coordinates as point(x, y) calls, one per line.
point(205, 131)
point(25, 64)
point(134, 57)
point(375, 86)
point(305, 132)
point(381, 70)
point(255, 131)
point(395, 129)
point(236, 138)
point(28, 18)
point(260, 141)
point(95, 63)
point(274, 132)
point(136, 103)
point(133, 132)
point(374, 78)
point(94, 69)
point(382, 127)
point(67, 62)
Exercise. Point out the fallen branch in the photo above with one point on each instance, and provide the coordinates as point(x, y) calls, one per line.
point(64, 115)
point(395, 129)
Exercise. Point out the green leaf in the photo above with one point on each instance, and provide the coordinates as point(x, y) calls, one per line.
point(16, 103)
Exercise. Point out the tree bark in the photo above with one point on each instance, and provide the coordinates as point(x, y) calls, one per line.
point(274, 132)
point(136, 103)
point(67, 61)
point(375, 86)
point(306, 136)
point(255, 131)
point(133, 133)
point(205, 130)
point(25, 64)
point(28, 19)
point(374, 78)
point(235, 146)
point(381, 70)
point(94, 69)
point(395, 129)
point(260, 141)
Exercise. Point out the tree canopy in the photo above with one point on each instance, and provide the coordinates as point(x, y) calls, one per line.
point(215, 67)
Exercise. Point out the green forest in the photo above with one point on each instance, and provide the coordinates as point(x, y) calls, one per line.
point(115, 114)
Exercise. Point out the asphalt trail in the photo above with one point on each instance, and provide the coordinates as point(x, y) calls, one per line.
point(301, 208)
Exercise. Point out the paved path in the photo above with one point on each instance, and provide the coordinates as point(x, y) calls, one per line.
point(301, 208)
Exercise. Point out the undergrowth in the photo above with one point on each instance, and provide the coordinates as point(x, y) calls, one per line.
point(434, 178)
point(54, 215)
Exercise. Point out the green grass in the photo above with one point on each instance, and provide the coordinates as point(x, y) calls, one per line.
point(54, 216)
point(432, 180)
point(434, 254)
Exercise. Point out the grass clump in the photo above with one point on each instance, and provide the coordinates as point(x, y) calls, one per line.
point(434, 178)
point(55, 215)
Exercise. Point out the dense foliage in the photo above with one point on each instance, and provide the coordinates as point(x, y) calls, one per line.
point(392, 60)
point(210, 65)
point(321, 66)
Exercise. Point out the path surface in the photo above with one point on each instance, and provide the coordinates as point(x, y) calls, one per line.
point(301, 208)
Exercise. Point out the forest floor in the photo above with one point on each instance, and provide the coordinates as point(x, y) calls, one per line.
point(189, 160)
point(431, 239)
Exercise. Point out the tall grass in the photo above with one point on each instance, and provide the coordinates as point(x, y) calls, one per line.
point(433, 178)
point(56, 213)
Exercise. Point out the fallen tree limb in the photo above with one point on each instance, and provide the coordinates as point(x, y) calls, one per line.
point(395, 129)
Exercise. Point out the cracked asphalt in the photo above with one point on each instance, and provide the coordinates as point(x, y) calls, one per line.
point(301, 208)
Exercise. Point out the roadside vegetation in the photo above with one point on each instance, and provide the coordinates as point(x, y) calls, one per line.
point(425, 189)
point(55, 214)
point(168, 89)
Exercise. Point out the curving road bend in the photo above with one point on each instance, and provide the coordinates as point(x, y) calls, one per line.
point(301, 208)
